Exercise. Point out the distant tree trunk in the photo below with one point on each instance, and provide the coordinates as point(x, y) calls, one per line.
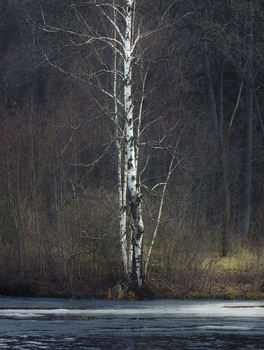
point(224, 167)
point(218, 126)
point(16, 212)
point(245, 202)
point(226, 207)
point(34, 189)
point(258, 111)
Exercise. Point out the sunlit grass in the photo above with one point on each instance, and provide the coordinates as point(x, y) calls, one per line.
point(241, 260)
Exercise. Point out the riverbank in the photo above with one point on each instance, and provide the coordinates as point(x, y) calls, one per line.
point(224, 285)
point(238, 276)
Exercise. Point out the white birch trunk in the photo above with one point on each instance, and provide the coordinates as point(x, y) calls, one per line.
point(122, 186)
point(121, 170)
point(134, 190)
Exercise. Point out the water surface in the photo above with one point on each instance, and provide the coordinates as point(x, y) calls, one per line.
point(36, 323)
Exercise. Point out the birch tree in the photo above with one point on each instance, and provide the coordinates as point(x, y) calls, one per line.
point(113, 35)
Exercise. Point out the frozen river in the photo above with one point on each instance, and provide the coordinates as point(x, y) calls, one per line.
point(33, 323)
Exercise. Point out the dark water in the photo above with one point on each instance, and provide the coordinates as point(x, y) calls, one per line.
point(27, 323)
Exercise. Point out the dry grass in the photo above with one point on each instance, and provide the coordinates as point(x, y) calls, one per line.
point(239, 275)
point(205, 274)
point(78, 254)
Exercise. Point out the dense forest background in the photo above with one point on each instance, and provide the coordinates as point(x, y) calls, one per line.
point(201, 66)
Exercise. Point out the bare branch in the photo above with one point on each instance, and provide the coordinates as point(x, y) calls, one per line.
point(80, 79)
point(111, 21)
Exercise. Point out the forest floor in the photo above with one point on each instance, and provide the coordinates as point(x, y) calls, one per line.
point(221, 286)
point(234, 277)
point(237, 276)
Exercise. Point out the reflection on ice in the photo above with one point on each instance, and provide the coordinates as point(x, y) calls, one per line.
point(224, 327)
point(212, 309)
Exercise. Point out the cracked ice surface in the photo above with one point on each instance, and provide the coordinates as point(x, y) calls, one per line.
point(35, 323)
